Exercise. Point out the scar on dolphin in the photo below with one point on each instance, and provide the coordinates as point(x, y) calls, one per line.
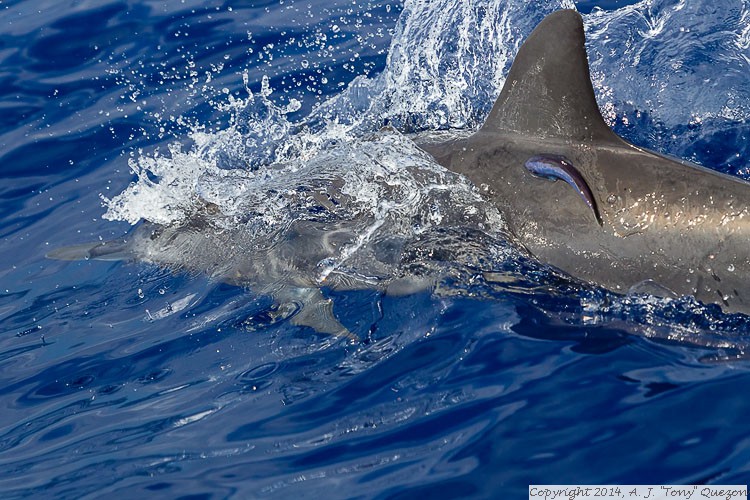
point(554, 167)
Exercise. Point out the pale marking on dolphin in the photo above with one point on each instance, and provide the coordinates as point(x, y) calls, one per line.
point(554, 167)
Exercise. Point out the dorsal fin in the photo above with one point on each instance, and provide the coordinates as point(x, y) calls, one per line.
point(548, 92)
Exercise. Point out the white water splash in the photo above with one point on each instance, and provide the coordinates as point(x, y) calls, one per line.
point(446, 65)
point(680, 62)
point(445, 68)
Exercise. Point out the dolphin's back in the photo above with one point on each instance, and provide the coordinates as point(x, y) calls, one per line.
point(618, 215)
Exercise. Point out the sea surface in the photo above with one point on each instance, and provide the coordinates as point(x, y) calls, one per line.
point(128, 379)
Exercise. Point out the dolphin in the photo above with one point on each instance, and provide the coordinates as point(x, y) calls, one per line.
point(294, 265)
point(292, 269)
point(572, 194)
point(284, 271)
point(583, 200)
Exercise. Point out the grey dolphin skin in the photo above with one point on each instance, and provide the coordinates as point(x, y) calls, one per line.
point(649, 219)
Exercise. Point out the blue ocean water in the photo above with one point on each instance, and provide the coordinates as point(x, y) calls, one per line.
point(132, 379)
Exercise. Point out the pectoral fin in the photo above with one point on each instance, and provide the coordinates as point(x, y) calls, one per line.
point(316, 311)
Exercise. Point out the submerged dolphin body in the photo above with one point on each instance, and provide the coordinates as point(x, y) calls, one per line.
point(322, 239)
point(628, 216)
point(285, 271)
